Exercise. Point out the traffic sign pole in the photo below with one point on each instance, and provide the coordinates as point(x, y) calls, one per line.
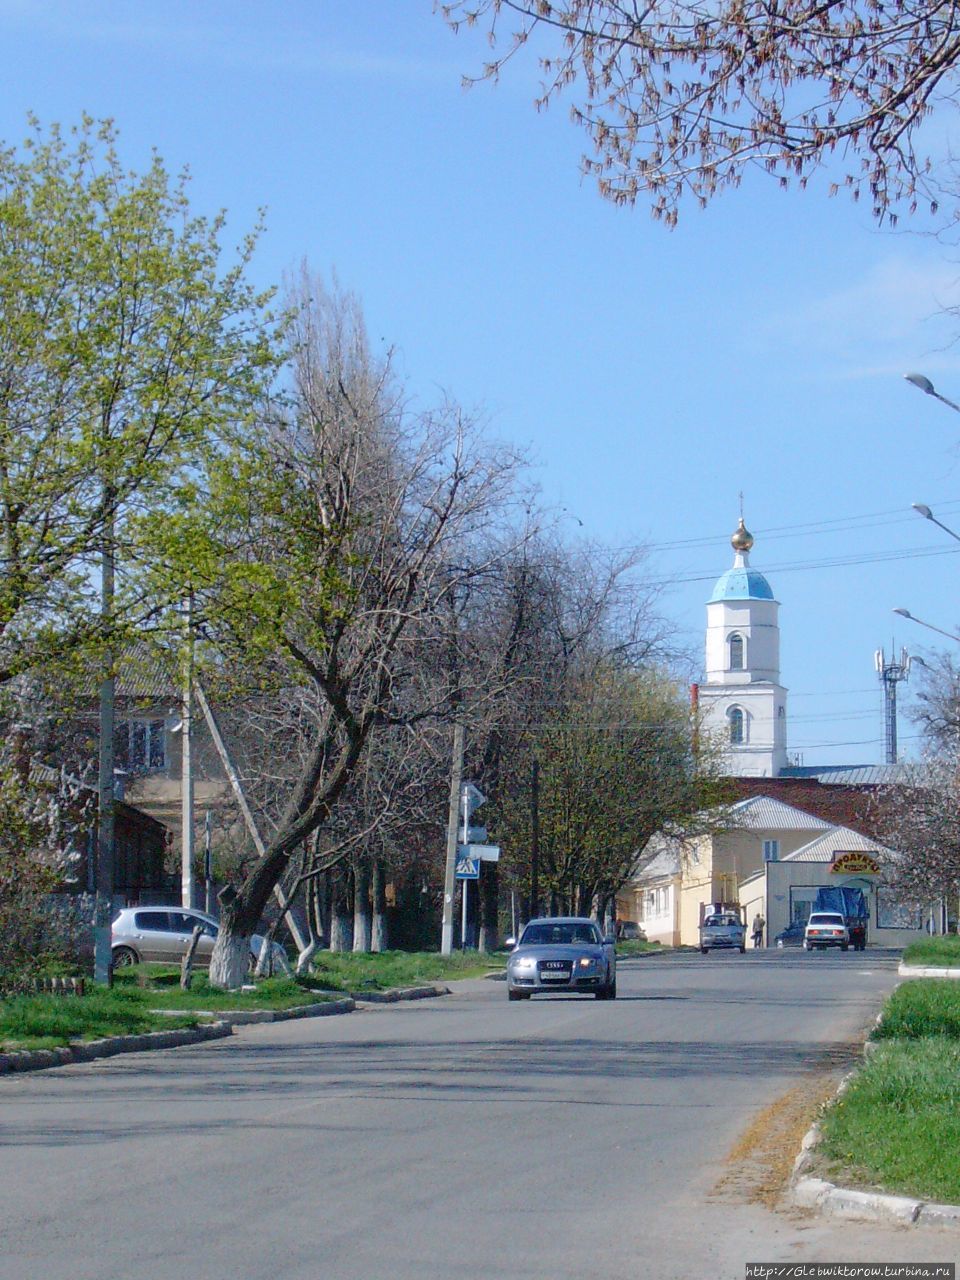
point(453, 832)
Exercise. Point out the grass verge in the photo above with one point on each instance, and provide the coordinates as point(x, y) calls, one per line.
point(47, 1022)
point(896, 1128)
point(921, 1008)
point(162, 982)
point(50, 1022)
point(634, 947)
point(346, 971)
point(938, 953)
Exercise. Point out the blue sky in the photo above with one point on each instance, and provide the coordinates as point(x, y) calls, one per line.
point(652, 374)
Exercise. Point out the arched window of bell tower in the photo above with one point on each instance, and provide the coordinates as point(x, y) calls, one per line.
point(736, 648)
point(735, 717)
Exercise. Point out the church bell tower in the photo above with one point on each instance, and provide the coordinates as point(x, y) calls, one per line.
point(742, 702)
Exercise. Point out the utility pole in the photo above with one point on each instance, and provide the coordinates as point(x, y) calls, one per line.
point(103, 909)
point(453, 835)
point(186, 770)
point(207, 867)
point(890, 674)
point(534, 839)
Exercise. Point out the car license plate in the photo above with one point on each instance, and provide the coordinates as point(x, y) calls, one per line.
point(554, 975)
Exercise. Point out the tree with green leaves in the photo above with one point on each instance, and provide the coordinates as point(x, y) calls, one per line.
point(617, 762)
point(127, 345)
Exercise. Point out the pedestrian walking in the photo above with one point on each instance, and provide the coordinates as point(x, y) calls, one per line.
point(758, 923)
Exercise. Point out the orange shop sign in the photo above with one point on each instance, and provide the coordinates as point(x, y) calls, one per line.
point(855, 864)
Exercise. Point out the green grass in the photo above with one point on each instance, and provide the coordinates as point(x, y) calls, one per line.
point(346, 971)
point(636, 947)
point(897, 1126)
point(939, 953)
point(162, 983)
point(44, 1022)
point(920, 1008)
point(47, 1022)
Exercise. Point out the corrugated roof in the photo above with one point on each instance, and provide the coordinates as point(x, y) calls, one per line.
point(836, 840)
point(766, 813)
point(873, 775)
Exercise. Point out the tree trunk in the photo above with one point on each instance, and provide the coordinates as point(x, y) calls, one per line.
point(186, 964)
point(361, 906)
point(489, 937)
point(379, 940)
point(341, 914)
point(230, 961)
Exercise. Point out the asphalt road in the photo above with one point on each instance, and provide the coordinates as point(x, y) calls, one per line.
point(459, 1137)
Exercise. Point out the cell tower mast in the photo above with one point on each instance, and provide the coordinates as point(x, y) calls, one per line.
point(890, 674)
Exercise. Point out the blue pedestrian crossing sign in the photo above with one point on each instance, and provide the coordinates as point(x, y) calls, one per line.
point(467, 868)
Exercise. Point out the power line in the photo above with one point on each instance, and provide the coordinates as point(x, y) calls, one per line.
point(838, 562)
point(840, 524)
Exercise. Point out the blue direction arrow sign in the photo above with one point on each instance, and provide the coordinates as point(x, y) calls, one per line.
point(467, 868)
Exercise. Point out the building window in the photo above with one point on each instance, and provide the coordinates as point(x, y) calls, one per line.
point(141, 745)
point(736, 652)
point(736, 726)
point(771, 850)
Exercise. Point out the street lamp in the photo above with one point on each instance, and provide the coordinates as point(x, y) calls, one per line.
point(927, 387)
point(922, 509)
point(905, 613)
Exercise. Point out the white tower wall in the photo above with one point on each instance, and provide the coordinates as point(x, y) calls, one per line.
point(742, 702)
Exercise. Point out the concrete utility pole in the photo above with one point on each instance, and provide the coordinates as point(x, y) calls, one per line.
point(103, 909)
point(300, 942)
point(534, 840)
point(453, 835)
point(186, 771)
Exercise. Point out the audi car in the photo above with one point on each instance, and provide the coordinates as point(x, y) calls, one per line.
point(562, 953)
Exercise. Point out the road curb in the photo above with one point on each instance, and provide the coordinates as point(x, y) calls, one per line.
point(810, 1192)
point(924, 971)
point(399, 993)
point(245, 1017)
point(88, 1050)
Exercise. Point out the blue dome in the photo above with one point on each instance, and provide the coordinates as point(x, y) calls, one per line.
point(741, 584)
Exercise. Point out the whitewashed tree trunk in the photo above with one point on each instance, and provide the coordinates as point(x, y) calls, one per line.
point(230, 961)
point(341, 931)
point(361, 908)
point(379, 940)
point(304, 958)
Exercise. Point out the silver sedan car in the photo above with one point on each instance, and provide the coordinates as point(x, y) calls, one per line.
point(562, 953)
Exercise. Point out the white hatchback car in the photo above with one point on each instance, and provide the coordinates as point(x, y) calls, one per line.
point(826, 929)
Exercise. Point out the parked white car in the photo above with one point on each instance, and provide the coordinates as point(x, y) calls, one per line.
point(826, 929)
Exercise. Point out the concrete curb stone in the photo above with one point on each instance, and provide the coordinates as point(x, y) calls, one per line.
point(399, 993)
point(88, 1050)
point(245, 1017)
point(809, 1192)
point(918, 971)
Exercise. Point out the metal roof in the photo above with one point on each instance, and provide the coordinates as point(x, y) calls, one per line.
point(849, 775)
point(836, 840)
point(766, 813)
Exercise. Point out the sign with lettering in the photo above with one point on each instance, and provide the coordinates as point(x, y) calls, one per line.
point(854, 863)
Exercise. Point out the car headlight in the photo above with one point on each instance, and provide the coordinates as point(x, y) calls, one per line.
point(523, 962)
point(587, 962)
